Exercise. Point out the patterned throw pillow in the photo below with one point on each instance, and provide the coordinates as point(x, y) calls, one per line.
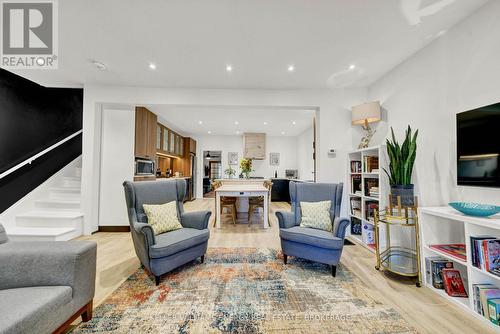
point(316, 215)
point(162, 217)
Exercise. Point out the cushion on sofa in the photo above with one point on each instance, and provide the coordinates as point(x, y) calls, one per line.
point(175, 241)
point(311, 236)
point(33, 309)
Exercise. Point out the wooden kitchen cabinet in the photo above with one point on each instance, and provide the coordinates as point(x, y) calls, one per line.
point(145, 133)
point(254, 146)
point(190, 145)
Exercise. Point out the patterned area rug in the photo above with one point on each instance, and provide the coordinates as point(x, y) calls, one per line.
point(245, 290)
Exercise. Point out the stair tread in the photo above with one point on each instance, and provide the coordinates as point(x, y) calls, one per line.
point(62, 200)
point(51, 214)
point(39, 231)
point(78, 188)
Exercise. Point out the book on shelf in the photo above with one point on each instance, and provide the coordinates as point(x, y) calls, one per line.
point(371, 187)
point(485, 253)
point(370, 207)
point(356, 184)
point(356, 226)
point(433, 268)
point(484, 296)
point(370, 163)
point(355, 166)
point(494, 310)
point(456, 251)
point(356, 207)
point(476, 296)
point(453, 284)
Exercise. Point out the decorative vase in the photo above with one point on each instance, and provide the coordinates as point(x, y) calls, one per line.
point(405, 191)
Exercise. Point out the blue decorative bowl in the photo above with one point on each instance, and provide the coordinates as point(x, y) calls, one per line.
point(475, 209)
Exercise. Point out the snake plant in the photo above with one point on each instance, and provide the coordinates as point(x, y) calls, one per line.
point(401, 158)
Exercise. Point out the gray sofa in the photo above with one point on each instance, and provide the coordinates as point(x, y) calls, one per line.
point(44, 286)
point(308, 243)
point(167, 251)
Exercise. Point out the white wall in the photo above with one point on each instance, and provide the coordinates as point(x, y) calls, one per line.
point(286, 146)
point(457, 72)
point(117, 164)
point(332, 119)
point(305, 162)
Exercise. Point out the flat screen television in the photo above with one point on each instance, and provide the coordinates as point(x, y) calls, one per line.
point(478, 147)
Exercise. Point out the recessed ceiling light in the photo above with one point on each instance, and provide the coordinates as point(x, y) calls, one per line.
point(152, 66)
point(265, 123)
point(99, 65)
point(236, 122)
point(237, 132)
point(282, 132)
point(209, 132)
point(200, 122)
point(294, 122)
point(291, 68)
point(352, 67)
point(229, 68)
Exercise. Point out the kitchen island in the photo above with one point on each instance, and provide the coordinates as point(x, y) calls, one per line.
point(242, 189)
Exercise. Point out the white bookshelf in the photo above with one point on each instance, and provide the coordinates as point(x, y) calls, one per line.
point(364, 197)
point(445, 225)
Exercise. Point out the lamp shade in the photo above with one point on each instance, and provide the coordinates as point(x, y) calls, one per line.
point(366, 112)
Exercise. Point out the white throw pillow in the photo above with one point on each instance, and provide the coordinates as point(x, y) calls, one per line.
point(316, 215)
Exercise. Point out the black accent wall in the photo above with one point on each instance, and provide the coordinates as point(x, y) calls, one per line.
point(32, 118)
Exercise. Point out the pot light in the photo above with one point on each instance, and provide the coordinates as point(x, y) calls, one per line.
point(282, 132)
point(209, 132)
point(229, 68)
point(152, 66)
point(200, 122)
point(352, 67)
point(294, 122)
point(236, 122)
point(265, 123)
point(291, 68)
point(237, 132)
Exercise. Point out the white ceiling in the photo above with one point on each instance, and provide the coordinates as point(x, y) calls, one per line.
point(221, 120)
point(192, 41)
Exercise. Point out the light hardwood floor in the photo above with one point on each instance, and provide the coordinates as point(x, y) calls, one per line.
point(428, 313)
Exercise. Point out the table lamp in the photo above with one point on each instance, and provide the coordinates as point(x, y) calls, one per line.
point(364, 114)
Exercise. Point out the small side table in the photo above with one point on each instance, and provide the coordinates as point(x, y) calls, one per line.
point(393, 256)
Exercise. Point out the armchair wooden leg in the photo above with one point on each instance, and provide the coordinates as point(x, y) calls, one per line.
point(334, 271)
point(87, 313)
point(285, 258)
point(157, 280)
point(202, 258)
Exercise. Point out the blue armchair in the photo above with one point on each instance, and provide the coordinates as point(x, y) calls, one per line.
point(167, 251)
point(308, 243)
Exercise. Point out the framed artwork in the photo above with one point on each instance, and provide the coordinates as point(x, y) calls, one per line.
point(232, 158)
point(274, 159)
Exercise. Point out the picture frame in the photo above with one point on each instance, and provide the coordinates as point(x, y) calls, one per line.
point(232, 158)
point(274, 159)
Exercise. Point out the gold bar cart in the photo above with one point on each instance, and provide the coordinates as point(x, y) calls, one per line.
point(394, 257)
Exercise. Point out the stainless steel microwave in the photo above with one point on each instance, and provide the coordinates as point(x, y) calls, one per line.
point(144, 167)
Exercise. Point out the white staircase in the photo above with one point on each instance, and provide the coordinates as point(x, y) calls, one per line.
point(56, 216)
